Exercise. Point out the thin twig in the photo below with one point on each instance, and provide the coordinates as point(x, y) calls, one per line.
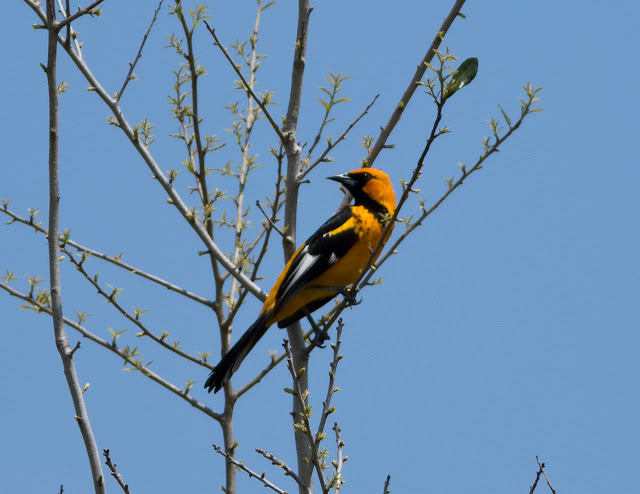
point(540, 471)
point(79, 13)
point(413, 83)
point(135, 61)
point(246, 85)
point(326, 406)
point(276, 206)
point(251, 473)
point(40, 307)
point(333, 144)
point(339, 463)
point(115, 260)
point(526, 110)
point(114, 472)
point(244, 143)
point(386, 485)
point(64, 14)
point(71, 33)
point(542, 465)
point(75, 348)
point(111, 299)
point(274, 362)
point(279, 463)
point(143, 151)
point(269, 220)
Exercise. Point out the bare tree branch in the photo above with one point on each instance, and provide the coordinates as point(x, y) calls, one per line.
point(327, 409)
point(175, 199)
point(541, 470)
point(279, 463)
point(333, 144)
point(386, 485)
point(114, 472)
point(134, 319)
point(338, 480)
point(62, 343)
point(132, 65)
point(115, 260)
point(241, 466)
point(413, 83)
point(79, 13)
point(41, 307)
point(532, 488)
point(302, 424)
point(293, 152)
point(247, 87)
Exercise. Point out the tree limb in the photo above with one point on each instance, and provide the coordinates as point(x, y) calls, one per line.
point(142, 150)
point(241, 466)
point(115, 260)
point(132, 65)
point(62, 343)
point(413, 83)
point(40, 307)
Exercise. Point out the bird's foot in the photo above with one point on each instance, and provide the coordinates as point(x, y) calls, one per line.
point(349, 294)
point(319, 335)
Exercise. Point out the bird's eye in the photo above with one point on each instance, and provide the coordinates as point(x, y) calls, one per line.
point(366, 176)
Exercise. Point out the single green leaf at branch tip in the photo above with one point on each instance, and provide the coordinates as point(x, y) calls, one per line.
point(463, 76)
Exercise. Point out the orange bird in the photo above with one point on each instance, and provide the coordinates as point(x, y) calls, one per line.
point(323, 266)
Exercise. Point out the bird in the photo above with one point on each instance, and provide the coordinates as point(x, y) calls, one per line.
point(323, 266)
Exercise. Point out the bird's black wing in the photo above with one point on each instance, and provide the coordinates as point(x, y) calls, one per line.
point(322, 250)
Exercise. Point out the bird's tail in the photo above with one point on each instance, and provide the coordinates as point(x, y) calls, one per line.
point(234, 357)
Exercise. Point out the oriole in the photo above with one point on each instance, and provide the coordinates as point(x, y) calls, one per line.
point(330, 260)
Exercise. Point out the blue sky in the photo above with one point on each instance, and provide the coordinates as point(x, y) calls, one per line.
point(506, 327)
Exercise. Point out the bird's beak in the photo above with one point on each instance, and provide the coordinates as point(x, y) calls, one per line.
point(348, 182)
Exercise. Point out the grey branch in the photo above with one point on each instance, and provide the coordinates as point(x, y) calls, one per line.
point(279, 463)
point(413, 83)
point(79, 13)
point(274, 362)
point(246, 85)
point(326, 406)
point(62, 343)
point(541, 471)
point(135, 320)
point(333, 144)
point(176, 200)
point(339, 463)
point(386, 485)
point(114, 472)
point(293, 152)
point(132, 65)
point(251, 473)
point(300, 394)
point(117, 351)
point(115, 260)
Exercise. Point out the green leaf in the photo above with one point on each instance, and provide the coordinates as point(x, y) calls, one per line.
point(463, 76)
point(506, 117)
point(324, 103)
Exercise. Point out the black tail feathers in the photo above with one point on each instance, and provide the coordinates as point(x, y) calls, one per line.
point(234, 357)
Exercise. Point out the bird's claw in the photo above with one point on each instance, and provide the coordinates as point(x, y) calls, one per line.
point(319, 337)
point(350, 298)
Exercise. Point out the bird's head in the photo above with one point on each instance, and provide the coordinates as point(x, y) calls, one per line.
point(368, 185)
